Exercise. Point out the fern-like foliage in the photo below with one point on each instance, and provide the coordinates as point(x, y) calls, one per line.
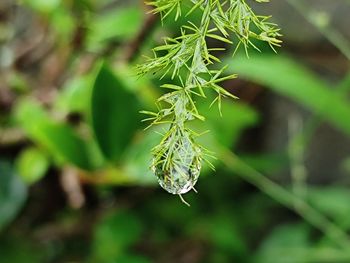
point(177, 157)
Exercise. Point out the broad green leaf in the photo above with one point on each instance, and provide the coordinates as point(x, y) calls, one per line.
point(115, 114)
point(118, 25)
point(225, 129)
point(75, 96)
point(138, 158)
point(288, 78)
point(13, 194)
point(235, 118)
point(32, 165)
point(58, 138)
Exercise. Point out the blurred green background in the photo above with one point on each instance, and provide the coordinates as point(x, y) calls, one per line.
point(75, 184)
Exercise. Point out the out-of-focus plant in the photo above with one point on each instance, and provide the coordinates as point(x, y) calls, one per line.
point(177, 158)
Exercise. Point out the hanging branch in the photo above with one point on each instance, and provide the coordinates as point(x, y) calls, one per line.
point(177, 158)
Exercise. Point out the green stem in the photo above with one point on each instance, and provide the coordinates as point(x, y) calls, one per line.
point(286, 198)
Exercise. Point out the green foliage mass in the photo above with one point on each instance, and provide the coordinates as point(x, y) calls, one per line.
point(82, 126)
point(190, 59)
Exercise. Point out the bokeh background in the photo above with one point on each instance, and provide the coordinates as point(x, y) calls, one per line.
point(75, 184)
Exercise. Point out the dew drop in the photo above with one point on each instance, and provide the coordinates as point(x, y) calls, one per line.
point(180, 174)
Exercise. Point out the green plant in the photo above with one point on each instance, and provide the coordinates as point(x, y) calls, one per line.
point(189, 59)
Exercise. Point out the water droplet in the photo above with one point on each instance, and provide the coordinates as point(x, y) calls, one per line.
point(179, 168)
